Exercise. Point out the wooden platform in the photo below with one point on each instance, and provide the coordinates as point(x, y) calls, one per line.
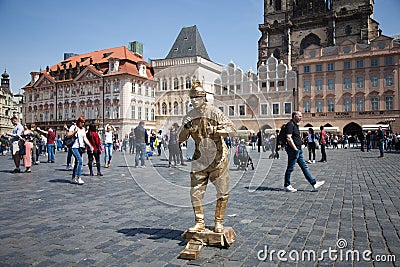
point(196, 241)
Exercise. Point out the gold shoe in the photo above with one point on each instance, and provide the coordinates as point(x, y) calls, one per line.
point(198, 227)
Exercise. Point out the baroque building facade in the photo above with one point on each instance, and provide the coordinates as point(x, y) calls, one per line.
point(348, 72)
point(111, 86)
point(351, 84)
point(186, 61)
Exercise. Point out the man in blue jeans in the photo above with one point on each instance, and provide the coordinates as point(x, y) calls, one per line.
point(141, 139)
point(295, 153)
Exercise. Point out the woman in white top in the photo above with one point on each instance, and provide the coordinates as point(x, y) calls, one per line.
point(78, 148)
point(108, 144)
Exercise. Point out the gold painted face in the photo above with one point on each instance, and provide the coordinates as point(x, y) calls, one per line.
point(198, 101)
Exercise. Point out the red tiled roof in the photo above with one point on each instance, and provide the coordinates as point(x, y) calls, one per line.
point(102, 56)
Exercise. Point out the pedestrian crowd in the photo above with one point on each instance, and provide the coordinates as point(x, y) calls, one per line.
point(28, 142)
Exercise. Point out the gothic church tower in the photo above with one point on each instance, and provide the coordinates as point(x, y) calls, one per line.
point(292, 25)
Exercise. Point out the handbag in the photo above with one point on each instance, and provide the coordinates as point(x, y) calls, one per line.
point(69, 141)
point(22, 148)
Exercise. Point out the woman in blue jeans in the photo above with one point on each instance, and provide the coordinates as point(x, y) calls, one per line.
point(108, 144)
point(78, 148)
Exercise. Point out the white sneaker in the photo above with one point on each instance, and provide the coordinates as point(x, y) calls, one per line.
point(74, 181)
point(313, 161)
point(309, 161)
point(290, 188)
point(318, 184)
point(80, 181)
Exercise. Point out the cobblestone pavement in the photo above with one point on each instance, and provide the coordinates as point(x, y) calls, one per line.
point(135, 217)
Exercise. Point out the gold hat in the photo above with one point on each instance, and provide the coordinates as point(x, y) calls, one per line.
point(196, 90)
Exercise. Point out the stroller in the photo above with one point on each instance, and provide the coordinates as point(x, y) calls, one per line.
point(242, 158)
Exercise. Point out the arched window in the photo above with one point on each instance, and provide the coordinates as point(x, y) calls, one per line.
point(176, 108)
point(176, 83)
point(277, 53)
point(188, 83)
point(309, 40)
point(164, 109)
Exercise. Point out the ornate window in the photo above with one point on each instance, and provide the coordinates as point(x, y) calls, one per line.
point(231, 110)
point(107, 114)
point(176, 83)
point(288, 108)
point(307, 106)
point(275, 109)
point(389, 102)
point(388, 61)
point(176, 108)
point(374, 62)
point(331, 84)
point(133, 112)
point(242, 110)
point(164, 86)
point(116, 86)
point(140, 113)
point(264, 109)
point(389, 79)
point(347, 83)
point(318, 85)
point(331, 105)
point(188, 83)
point(164, 109)
point(347, 104)
point(318, 105)
point(360, 106)
point(374, 103)
point(146, 114)
point(116, 112)
point(360, 81)
point(374, 80)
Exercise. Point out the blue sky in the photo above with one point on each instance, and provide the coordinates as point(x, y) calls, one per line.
point(35, 34)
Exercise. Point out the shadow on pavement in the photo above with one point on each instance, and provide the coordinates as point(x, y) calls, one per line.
point(154, 233)
point(64, 181)
point(265, 188)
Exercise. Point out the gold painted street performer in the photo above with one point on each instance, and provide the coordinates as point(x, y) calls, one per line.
point(208, 126)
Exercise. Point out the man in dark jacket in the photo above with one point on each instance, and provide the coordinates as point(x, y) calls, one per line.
point(141, 139)
point(295, 153)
